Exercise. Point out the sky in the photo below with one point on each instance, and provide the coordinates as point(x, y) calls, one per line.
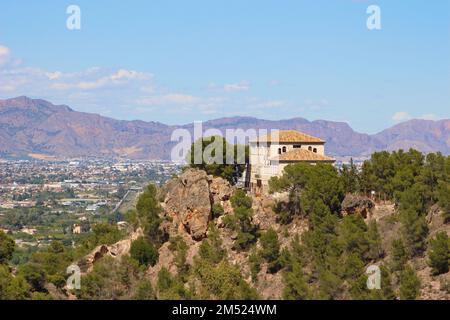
point(181, 61)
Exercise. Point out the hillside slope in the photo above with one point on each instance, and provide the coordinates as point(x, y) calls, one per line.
point(187, 201)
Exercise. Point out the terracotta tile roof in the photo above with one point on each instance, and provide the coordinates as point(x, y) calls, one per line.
point(288, 136)
point(303, 155)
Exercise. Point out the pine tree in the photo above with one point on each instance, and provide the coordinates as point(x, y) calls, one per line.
point(399, 255)
point(241, 220)
point(444, 198)
point(171, 287)
point(179, 247)
point(374, 240)
point(270, 250)
point(148, 209)
point(211, 249)
point(144, 252)
point(295, 285)
point(415, 231)
point(409, 284)
point(6, 247)
point(350, 177)
point(144, 291)
point(18, 289)
point(213, 155)
point(439, 253)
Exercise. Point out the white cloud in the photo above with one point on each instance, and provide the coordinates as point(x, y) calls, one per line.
point(5, 54)
point(126, 93)
point(7, 88)
point(54, 75)
point(236, 87)
point(130, 74)
point(429, 116)
point(405, 116)
point(120, 77)
point(401, 116)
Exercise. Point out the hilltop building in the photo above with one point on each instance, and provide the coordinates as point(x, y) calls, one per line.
point(269, 154)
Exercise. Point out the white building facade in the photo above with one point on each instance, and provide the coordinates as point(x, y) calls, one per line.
point(269, 154)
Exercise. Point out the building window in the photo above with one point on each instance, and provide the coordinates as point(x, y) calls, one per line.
point(284, 149)
point(315, 150)
point(279, 150)
point(310, 148)
point(297, 146)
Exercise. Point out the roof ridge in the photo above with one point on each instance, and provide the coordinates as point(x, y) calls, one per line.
point(291, 136)
point(302, 155)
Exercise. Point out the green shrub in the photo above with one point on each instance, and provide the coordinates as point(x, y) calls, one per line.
point(439, 253)
point(7, 246)
point(399, 255)
point(217, 210)
point(144, 252)
point(409, 284)
point(270, 250)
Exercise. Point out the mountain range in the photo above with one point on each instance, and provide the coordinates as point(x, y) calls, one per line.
point(38, 128)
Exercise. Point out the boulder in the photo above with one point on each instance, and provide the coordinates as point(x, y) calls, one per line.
point(189, 199)
point(220, 189)
point(356, 204)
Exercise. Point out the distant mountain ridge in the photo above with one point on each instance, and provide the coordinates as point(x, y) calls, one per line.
point(34, 126)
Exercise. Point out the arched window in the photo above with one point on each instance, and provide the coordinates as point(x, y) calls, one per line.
point(315, 150)
point(284, 149)
point(310, 148)
point(279, 150)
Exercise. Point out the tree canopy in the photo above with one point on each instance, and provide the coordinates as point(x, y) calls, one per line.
point(219, 158)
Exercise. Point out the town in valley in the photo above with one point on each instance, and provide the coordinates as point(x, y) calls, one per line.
point(41, 201)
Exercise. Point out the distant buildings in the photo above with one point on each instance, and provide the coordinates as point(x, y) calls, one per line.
point(71, 192)
point(29, 231)
point(76, 229)
point(122, 225)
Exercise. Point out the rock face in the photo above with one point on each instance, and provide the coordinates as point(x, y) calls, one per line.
point(115, 250)
point(189, 198)
point(263, 215)
point(355, 204)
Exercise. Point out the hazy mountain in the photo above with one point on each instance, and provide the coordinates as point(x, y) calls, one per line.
point(32, 126)
point(424, 135)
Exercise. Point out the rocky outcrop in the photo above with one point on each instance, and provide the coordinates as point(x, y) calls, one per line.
point(263, 215)
point(167, 259)
point(356, 204)
point(115, 250)
point(189, 198)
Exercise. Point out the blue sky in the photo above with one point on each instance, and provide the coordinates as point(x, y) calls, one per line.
point(180, 61)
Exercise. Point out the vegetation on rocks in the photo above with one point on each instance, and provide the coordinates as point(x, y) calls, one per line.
point(241, 221)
